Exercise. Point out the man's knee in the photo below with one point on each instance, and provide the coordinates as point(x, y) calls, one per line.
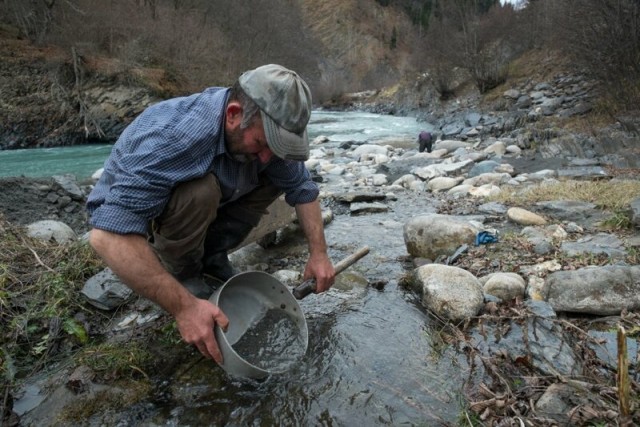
point(177, 236)
point(192, 203)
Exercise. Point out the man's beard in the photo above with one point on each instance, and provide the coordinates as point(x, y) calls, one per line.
point(235, 145)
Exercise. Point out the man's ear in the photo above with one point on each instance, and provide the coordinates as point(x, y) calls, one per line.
point(233, 116)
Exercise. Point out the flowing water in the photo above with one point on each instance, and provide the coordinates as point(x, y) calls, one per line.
point(374, 355)
point(83, 160)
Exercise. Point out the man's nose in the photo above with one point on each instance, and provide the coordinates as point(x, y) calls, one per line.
point(265, 155)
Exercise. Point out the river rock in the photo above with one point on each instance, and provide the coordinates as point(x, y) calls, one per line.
point(486, 166)
point(498, 148)
point(488, 178)
point(368, 149)
point(288, 277)
point(601, 243)
point(69, 184)
point(493, 208)
point(486, 190)
point(635, 212)
point(105, 290)
point(441, 169)
point(505, 286)
point(442, 183)
point(559, 399)
point(362, 208)
point(594, 290)
point(461, 190)
point(48, 230)
point(359, 196)
point(451, 292)
point(451, 145)
point(538, 340)
point(432, 235)
point(525, 217)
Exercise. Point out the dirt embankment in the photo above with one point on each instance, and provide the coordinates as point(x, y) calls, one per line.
point(53, 97)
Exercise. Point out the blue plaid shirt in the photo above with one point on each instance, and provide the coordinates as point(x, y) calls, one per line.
point(175, 141)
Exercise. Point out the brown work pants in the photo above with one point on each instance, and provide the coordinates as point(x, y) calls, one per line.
point(178, 234)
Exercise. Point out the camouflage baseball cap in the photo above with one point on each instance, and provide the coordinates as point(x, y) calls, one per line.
point(285, 105)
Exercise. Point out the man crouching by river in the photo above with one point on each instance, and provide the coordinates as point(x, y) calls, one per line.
point(188, 180)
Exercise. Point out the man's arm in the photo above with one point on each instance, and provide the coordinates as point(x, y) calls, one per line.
point(319, 265)
point(133, 261)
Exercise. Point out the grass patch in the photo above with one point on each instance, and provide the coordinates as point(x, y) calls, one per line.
point(41, 308)
point(607, 195)
point(46, 322)
point(114, 360)
point(82, 409)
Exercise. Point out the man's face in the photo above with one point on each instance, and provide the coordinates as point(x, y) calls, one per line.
point(250, 142)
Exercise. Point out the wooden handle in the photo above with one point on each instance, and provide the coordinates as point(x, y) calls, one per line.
point(309, 286)
point(351, 259)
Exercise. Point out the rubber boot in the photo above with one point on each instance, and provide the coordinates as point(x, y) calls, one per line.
point(223, 235)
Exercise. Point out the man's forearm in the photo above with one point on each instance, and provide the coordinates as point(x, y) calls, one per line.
point(310, 218)
point(319, 265)
point(133, 261)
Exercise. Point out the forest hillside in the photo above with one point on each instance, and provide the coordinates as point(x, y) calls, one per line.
point(76, 71)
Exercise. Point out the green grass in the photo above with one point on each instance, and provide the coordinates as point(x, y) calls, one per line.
point(40, 299)
point(44, 318)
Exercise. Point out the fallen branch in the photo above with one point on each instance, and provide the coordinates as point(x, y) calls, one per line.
point(623, 377)
point(35, 254)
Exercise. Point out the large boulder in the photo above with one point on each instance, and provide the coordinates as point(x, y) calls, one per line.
point(450, 292)
point(595, 290)
point(432, 235)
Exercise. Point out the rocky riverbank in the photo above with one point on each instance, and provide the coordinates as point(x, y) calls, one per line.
point(511, 261)
point(56, 98)
point(520, 235)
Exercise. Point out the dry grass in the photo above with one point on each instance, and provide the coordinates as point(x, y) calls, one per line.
point(40, 299)
point(611, 195)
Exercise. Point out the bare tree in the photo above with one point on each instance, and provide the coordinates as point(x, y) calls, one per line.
point(465, 36)
point(603, 37)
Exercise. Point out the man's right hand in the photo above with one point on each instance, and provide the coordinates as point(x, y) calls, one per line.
point(196, 322)
point(196, 317)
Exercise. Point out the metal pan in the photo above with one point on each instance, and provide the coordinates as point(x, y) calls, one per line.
point(246, 299)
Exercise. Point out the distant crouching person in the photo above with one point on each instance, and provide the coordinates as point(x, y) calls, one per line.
point(425, 140)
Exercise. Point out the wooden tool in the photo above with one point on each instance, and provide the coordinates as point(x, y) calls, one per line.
point(309, 285)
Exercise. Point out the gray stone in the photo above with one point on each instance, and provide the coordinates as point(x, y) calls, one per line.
point(540, 308)
point(106, 291)
point(359, 196)
point(598, 244)
point(69, 185)
point(450, 292)
point(51, 230)
point(542, 341)
point(433, 235)
point(492, 208)
point(360, 208)
point(595, 290)
point(635, 212)
point(585, 172)
point(486, 166)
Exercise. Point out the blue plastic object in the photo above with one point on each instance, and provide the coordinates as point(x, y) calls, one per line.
point(485, 237)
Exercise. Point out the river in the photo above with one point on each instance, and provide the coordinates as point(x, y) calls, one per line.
point(83, 160)
point(375, 357)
